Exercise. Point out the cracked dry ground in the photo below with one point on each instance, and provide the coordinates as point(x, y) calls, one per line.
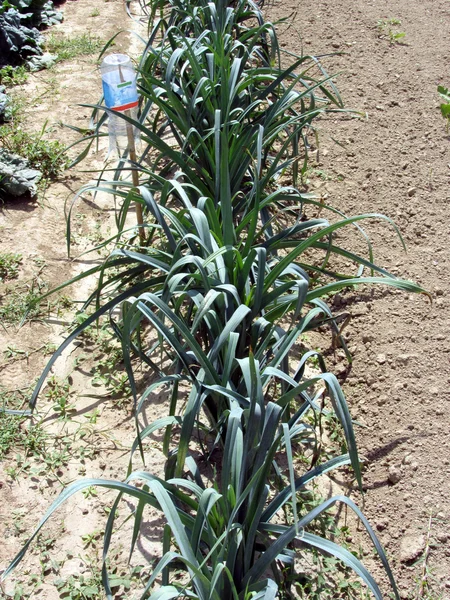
point(396, 163)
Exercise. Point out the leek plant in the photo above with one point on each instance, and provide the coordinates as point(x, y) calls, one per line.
point(233, 274)
point(230, 532)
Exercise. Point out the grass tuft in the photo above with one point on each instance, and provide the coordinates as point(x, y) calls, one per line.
point(9, 265)
point(71, 47)
point(11, 76)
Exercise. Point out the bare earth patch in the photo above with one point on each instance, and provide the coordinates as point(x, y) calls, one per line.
point(397, 163)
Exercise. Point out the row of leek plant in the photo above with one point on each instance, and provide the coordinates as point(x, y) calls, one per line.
point(232, 276)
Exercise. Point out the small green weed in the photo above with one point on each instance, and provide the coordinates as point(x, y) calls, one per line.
point(58, 392)
point(90, 492)
point(15, 434)
point(15, 302)
point(45, 155)
point(385, 27)
point(95, 13)
point(445, 106)
point(14, 109)
point(66, 48)
point(14, 305)
point(9, 265)
point(10, 76)
point(12, 353)
point(80, 587)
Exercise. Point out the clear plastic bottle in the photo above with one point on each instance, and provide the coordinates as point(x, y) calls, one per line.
point(120, 93)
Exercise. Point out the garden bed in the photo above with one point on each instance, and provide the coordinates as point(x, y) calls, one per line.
point(395, 382)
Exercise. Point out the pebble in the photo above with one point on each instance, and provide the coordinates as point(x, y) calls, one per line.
point(394, 474)
point(403, 359)
point(381, 359)
point(382, 524)
point(412, 191)
point(407, 459)
point(411, 547)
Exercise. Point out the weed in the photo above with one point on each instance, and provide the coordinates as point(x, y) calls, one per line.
point(14, 108)
point(9, 265)
point(385, 27)
point(15, 303)
point(90, 492)
point(10, 76)
point(48, 156)
point(15, 432)
point(58, 392)
point(396, 36)
point(95, 13)
point(445, 106)
point(80, 587)
point(71, 47)
point(14, 354)
point(91, 539)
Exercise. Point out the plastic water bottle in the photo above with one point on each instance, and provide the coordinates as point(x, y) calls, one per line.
point(120, 93)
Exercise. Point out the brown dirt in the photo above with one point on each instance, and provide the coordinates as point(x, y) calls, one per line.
point(89, 447)
point(395, 163)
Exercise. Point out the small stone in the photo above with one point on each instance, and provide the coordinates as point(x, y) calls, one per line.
point(85, 511)
point(414, 466)
point(341, 369)
point(403, 359)
point(411, 547)
point(381, 400)
point(407, 459)
point(442, 537)
point(382, 524)
point(381, 359)
point(394, 474)
point(412, 191)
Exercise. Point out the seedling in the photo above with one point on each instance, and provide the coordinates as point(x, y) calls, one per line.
point(385, 27)
point(91, 539)
point(445, 106)
point(59, 393)
point(9, 265)
point(79, 587)
point(10, 76)
point(90, 492)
